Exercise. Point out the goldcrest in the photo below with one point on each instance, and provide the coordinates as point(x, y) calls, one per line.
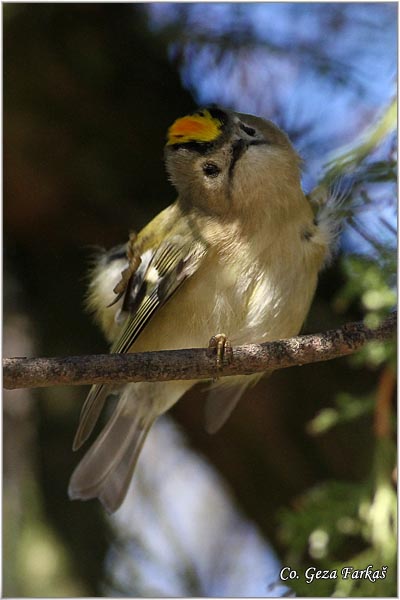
point(236, 258)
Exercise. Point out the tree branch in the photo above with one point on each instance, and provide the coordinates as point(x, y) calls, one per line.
point(192, 363)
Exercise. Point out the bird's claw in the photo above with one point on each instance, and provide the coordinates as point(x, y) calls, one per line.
point(133, 256)
point(223, 348)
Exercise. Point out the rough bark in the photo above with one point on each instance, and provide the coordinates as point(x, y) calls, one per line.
point(194, 363)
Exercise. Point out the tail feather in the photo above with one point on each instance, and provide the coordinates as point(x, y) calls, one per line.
point(107, 467)
point(116, 485)
point(90, 413)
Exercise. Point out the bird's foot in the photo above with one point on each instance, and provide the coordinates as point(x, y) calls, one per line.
point(223, 348)
point(134, 260)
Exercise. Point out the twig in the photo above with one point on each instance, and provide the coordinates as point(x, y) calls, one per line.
point(192, 363)
point(384, 399)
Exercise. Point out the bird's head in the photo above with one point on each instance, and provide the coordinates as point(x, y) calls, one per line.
point(226, 163)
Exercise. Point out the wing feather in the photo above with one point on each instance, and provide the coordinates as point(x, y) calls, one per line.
point(223, 396)
point(161, 273)
point(171, 264)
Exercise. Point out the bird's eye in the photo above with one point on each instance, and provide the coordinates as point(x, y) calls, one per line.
point(210, 169)
point(249, 130)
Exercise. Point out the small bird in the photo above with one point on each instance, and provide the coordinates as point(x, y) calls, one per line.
point(235, 259)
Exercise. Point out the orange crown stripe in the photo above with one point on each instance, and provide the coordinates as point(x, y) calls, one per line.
point(194, 128)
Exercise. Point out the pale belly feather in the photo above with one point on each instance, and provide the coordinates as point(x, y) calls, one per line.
point(249, 305)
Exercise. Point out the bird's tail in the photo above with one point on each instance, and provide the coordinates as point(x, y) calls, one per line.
point(106, 470)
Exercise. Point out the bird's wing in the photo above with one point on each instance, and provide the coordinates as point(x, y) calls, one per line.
point(162, 271)
point(223, 396)
point(152, 286)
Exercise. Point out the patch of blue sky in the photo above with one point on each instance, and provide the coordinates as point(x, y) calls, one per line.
point(187, 540)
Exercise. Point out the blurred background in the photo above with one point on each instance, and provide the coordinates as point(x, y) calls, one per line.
point(303, 472)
